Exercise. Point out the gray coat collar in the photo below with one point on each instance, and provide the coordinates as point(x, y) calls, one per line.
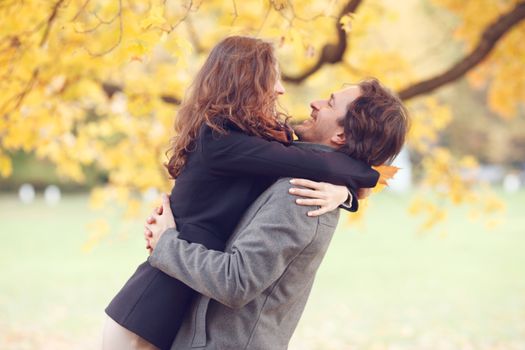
point(314, 146)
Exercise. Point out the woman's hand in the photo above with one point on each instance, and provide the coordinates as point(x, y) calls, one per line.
point(158, 222)
point(323, 194)
point(147, 233)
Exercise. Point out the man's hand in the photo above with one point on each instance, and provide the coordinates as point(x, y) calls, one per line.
point(159, 221)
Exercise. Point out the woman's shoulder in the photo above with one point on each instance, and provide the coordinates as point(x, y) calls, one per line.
point(219, 127)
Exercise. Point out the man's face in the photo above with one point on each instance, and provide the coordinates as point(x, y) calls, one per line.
point(322, 126)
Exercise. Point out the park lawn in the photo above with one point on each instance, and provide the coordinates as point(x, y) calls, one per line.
point(381, 286)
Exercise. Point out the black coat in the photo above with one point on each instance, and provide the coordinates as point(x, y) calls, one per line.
point(222, 177)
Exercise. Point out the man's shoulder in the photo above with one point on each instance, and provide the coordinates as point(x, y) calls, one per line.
point(280, 199)
point(278, 192)
point(280, 184)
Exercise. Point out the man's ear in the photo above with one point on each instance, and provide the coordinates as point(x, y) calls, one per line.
point(339, 138)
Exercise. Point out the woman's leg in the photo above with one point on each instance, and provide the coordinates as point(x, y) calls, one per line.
point(116, 337)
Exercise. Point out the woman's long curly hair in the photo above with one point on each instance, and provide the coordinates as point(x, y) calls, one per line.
point(234, 86)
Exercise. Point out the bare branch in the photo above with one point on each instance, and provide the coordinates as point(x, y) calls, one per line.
point(330, 53)
point(119, 15)
point(235, 13)
point(90, 30)
point(82, 8)
point(194, 37)
point(305, 19)
point(189, 8)
point(111, 89)
point(171, 99)
point(490, 37)
point(265, 18)
point(50, 21)
point(21, 95)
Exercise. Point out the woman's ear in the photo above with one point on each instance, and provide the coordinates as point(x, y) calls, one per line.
point(338, 139)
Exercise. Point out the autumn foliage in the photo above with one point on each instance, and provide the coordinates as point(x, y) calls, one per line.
point(97, 83)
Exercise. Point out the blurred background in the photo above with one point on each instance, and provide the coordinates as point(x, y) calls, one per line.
point(90, 89)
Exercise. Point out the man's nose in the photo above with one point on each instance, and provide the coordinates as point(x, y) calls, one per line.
point(316, 105)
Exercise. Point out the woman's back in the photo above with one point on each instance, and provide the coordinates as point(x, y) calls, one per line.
point(206, 204)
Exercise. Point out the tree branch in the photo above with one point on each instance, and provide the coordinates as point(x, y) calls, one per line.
point(490, 37)
point(50, 21)
point(333, 53)
point(111, 89)
point(121, 29)
point(34, 75)
point(330, 53)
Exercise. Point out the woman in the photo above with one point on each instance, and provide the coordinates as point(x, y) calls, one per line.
point(230, 146)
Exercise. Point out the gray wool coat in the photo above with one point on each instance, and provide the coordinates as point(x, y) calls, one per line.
point(253, 294)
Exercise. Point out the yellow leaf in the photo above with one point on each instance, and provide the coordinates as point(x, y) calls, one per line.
point(155, 18)
point(135, 50)
point(98, 229)
point(5, 166)
point(278, 4)
point(133, 208)
point(386, 172)
point(98, 198)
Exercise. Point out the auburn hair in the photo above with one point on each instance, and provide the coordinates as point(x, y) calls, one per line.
point(235, 86)
point(375, 124)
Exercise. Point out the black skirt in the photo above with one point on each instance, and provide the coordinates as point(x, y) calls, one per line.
point(152, 305)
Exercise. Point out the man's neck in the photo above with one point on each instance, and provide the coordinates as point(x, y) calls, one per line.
point(313, 145)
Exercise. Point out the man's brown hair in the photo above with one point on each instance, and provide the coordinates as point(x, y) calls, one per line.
point(375, 124)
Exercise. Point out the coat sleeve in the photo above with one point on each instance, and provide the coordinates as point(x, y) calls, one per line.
point(259, 254)
point(237, 153)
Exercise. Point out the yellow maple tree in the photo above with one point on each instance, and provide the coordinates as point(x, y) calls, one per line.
point(92, 82)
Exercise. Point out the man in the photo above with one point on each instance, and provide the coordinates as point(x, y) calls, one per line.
point(253, 294)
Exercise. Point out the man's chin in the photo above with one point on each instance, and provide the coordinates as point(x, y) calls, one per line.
point(299, 131)
point(303, 134)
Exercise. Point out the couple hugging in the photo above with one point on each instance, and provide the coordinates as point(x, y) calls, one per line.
point(234, 249)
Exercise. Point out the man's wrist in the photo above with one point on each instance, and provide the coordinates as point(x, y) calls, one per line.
point(169, 234)
point(348, 202)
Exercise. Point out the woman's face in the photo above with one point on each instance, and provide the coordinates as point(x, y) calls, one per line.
point(278, 87)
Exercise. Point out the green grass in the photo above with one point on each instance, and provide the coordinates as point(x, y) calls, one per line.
point(381, 287)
